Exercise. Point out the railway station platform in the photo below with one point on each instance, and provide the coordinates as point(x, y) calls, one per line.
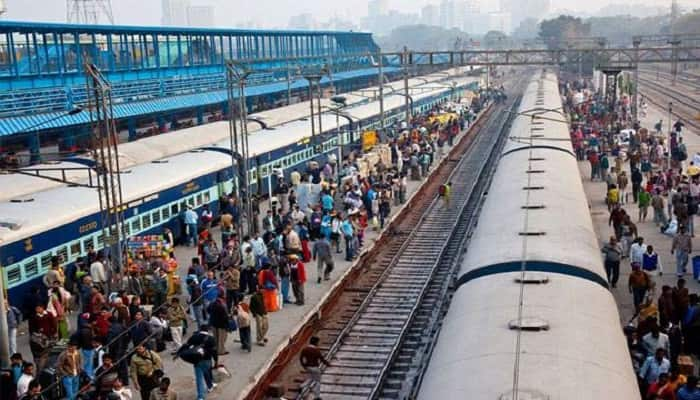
point(246, 367)
point(596, 192)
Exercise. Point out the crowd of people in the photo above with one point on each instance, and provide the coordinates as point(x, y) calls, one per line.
point(98, 332)
point(644, 168)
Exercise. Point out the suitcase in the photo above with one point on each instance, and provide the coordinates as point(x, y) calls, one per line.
point(51, 384)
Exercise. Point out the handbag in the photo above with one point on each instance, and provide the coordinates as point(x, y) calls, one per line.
point(191, 354)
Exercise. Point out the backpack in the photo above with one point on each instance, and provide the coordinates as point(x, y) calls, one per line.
point(191, 354)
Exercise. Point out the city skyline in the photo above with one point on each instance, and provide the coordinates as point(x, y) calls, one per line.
point(276, 14)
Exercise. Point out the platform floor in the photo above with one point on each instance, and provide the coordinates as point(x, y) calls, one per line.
point(245, 367)
point(595, 191)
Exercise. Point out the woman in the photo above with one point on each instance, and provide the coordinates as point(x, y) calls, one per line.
point(268, 281)
point(58, 306)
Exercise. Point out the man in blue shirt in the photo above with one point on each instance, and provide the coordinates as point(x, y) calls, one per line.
point(210, 289)
point(347, 230)
point(191, 223)
point(327, 203)
point(654, 366)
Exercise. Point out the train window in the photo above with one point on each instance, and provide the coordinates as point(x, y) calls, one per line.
point(62, 254)
point(136, 225)
point(165, 212)
point(146, 221)
point(14, 274)
point(127, 229)
point(100, 241)
point(30, 268)
point(75, 249)
point(88, 244)
point(199, 200)
point(155, 217)
point(183, 206)
point(207, 197)
point(46, 261)
point(190, 201)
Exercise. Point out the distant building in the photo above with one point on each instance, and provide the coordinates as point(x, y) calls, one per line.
point(376, 8)
point(430, 15)
point(174, 12)
point(302, 21)
point(200, 16)
point(499, 21)
point(448, 10)
point(523, 9)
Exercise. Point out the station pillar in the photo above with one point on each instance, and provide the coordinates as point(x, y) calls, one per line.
point(68, 142)
point(131, 125)
point(34, 145)
point(161, 123)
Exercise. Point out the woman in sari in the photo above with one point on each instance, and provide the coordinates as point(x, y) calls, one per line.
point(268, 281)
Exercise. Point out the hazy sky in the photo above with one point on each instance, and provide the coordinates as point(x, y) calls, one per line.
point(269, 13)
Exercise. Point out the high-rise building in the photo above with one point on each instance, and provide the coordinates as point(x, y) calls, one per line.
point(302, 21)
point(376, 8)
point(200, 16)
point(524, 9)
point(447, 14)
point(430, 15)
point(174, 12)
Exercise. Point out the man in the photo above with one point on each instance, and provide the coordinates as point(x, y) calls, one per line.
point(211, 253)
point(210, 289)
point(164, 392)
point(295, 178)
point(654, 366)
point(268, 222)
point(613, 254)
point(638, 283)
point(176, 319)
point(218, 319)
point(143, 367)
point(232, 283)
point(657, 203)
point(682, 246)
point(311, 359)
point(637, 251)
point(24, 380)
point(105, 376)
point(636, 178)
point(191, 223)
point(292, 241)
point(690, 390)
point(207, 346)
point(257, 308)
point(33, 391)
point(55, 274)
point(140, 330)
point(282, 192)
point(298, 278)
point(348, 232)
point(14, 317)
point(323, 253)
point(43, 331)
point(69, 367)
point(656, 340)
point(98, 274)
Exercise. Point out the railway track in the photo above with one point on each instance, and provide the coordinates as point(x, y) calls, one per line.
point(377, 342)
point(685, 103)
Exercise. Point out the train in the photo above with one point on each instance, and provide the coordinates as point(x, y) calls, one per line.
point(153, 148)
point(64, 220)
point(532, 316)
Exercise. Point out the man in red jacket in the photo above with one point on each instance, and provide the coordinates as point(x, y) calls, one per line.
point(297, 277)
point(43, 330)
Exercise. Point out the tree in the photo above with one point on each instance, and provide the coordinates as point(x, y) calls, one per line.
point(494, 39)
point(555, 32)
point(688, 23)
